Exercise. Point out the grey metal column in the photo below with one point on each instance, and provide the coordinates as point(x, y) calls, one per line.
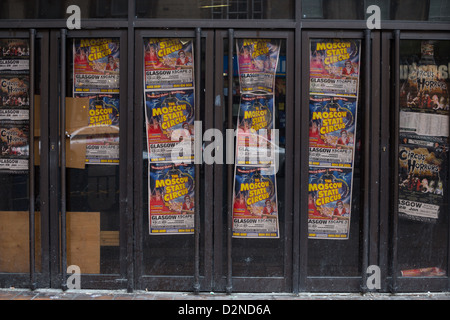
point(367, 130)
point(197, 156)
point(62, 149)
point(31, 163)
point(394, 288)
point(230, 167)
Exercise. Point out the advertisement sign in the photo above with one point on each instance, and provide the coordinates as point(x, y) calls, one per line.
point(257, 64)
point(96, 65)
point(14, 105)
point(332, 131)
point(169, 119)
point(423, 138)
point(334, 67)
point(333, 103)
point(14, 55)
point(255, 205)
point(171, 203)
point(254, 132)
point(329, 202)
point(169, 63)
point(169, 108)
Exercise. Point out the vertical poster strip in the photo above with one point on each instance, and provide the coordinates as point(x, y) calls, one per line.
point(169, 103)
point(424, 131)
point(14, 105)
point(255, 203)
point(171, 205)
point(96, 70)
point(334, 84)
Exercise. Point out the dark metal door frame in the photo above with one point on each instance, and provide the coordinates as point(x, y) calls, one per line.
point(224, 280)
point(35, 278)
point(59, 39)
point(395, 283)
point(201, 278)
point(369, 163)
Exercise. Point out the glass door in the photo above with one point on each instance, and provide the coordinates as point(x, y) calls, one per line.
point(420, 119)
point(184, 230)
point(337, 173)
point(253, 214)
point(24, 216)
point(88, 159)
point(173, 212)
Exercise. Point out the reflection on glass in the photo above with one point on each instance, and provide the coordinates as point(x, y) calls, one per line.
point(56, 9)
point(216, 9)
point(92, 155)
point(261, 257)
point(423, 158)
point(15, 158)
point(416, 10)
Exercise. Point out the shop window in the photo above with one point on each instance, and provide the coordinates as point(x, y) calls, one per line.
point(423, 159)
point(92, 166)
point(55, 9)
point(15, 157)
point(415, 10)
point(215, 9)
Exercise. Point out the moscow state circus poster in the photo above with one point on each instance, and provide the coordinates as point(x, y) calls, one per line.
point(169, 109)
point(333, 105)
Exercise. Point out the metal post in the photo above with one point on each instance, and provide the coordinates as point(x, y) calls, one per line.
point(395, 152)
point(129, 148)
point(367, 129)
point(31, 164)
point(230, 167)
point(63, 158)
point(197, 152)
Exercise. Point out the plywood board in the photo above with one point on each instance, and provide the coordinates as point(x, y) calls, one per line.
point(15, 244)
point(83, 241)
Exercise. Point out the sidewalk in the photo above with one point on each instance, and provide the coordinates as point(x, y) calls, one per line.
point(54, 294)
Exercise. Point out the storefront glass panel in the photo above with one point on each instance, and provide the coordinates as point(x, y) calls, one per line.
point(216, 9)
point(416, 10)
point(92, 154)
point(335, 144)
point(51, 9)
point(15, 123)
point(423, 159)
point(260, 254)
